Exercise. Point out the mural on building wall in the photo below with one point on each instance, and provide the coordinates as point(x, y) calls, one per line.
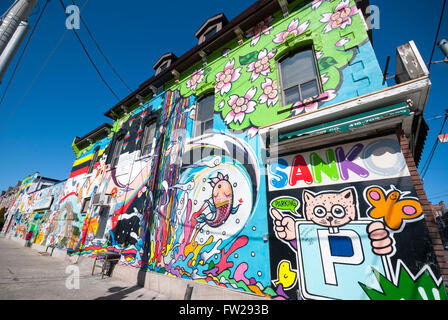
point(32, 210)
point(57, 209)
point(129, 185)
point(345, 223)
point(214, 209)
point(195, 218)
point(210, 233)
point(326, 224)
point(16, 209)
point(245, 78)
point(46, 204)
point(70, 219)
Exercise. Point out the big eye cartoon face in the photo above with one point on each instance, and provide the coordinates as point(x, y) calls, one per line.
point(320, 211)
point(330, 209)
point(338, 211)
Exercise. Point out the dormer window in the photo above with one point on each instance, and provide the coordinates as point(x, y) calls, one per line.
point(211, 27)
point(163, 67)
point(210, 33)
point(164, 62)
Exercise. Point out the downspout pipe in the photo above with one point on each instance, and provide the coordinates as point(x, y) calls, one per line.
point(19, 12)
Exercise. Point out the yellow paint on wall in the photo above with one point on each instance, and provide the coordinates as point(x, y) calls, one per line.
point(87, 158)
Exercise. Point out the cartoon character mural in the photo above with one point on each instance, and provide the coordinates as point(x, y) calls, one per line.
point(64, 223)
point(339, 220)
point(15, 211)
point(221, 203)
point(168, 213)
point(209, 233)
point(346, 223)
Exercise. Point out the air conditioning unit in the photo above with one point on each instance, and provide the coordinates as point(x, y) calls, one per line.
point(101, 199)
point(410, 64)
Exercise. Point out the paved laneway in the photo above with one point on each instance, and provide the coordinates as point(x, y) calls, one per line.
point(26, 274)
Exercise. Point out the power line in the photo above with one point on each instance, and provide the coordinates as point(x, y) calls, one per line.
point(90, 58)
point(436, 117)
point(431, 154)
point(23, 53)
point(101, 51)
point(38, 74)
point(34, 80)
point(438, 193)
point(437, 35)
point(439, 196)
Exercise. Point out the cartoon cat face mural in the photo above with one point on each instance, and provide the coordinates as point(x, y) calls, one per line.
point(347, 224)
point(330, 209)
point(200, 207)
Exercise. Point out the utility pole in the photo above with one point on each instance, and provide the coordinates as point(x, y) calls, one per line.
point(13, 30)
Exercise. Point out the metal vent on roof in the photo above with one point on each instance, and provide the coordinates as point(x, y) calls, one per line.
point(409, 65)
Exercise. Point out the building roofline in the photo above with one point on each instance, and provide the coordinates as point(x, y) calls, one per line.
point(50, 179)
point(363, 5)
point(166, 56)
point(245, 20)
point(219, 17)
point(256, 12)
point(100, 131)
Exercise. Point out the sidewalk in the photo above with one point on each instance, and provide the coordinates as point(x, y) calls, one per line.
point(26, 274)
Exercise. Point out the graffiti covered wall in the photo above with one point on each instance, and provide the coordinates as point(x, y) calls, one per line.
point(332, 223)
point(127, 183)
point(45, 203)
point(68, 220)
point(33, 212)
point(210, 220)
point(15, 211)
point(345, 222)
point(196, 208)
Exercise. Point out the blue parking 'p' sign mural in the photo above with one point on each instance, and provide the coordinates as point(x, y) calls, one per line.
point(341, 220)
point(331, 261)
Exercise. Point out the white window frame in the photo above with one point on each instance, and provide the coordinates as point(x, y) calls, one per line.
point(311, 78)
point(85, 205)
point(117, 152)
point(153, 142)
point(106, 216)
point(195, 135)
point(93, 160)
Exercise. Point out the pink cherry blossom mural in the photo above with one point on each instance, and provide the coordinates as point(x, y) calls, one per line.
point(341, 17)
point(225, 78)
point(241, 106)
point(261, 65)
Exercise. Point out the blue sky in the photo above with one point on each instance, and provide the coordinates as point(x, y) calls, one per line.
point(50, 103)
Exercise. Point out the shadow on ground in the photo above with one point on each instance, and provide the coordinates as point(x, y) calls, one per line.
point(119, 293)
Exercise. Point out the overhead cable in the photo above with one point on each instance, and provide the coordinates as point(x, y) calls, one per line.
point(90, 58)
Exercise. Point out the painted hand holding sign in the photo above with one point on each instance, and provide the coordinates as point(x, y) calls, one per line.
point(338, 243)
point(343, 218)
point(332, 210)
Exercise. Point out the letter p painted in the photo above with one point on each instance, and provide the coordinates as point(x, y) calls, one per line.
point(343, 248)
